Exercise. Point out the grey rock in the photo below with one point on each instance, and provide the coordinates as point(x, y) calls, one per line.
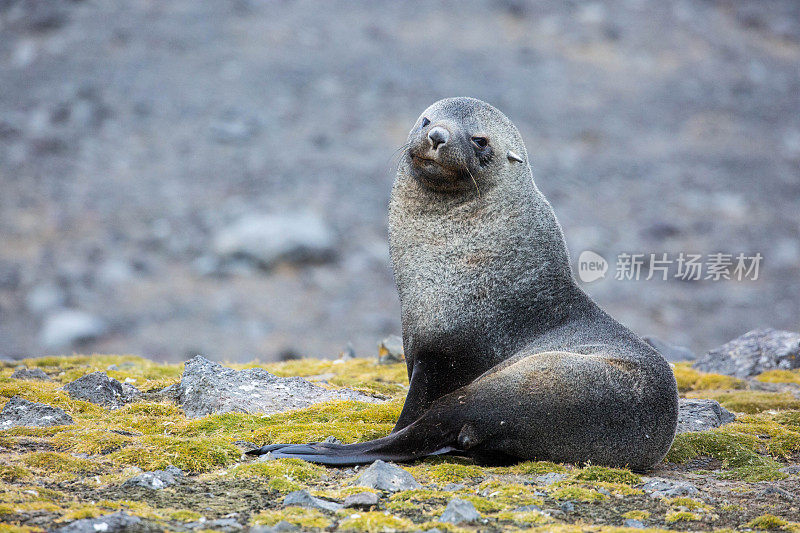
point(30, 374)
point(223, 524)
point(130, 393)
point(550, 478)
point(386, 476)
point(207, 387)
point(453, 487)
point(792, 469)
point(667, 488)
point(753, 353)
point(269, 239)
point(630, 522)
point(671, 352)
point(460, 511)
point(701, 414)
point(110, 523)
point(568, 507)
point(528, 509)
point(68, 327)
point(155, 480)
point(361, 499)
point(302, 498)
point(98, 388)
point(781, 493)
point(281, 527)
point(390, 350)
point(20, 412)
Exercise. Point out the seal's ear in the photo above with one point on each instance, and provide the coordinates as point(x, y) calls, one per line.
point(512, 156)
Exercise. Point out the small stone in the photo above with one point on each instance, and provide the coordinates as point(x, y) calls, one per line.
point(155, 480)
point(460, 511)
point(671, 352)
point(659, 487)
point(30, 374)
point(228, 525)
point(633, 523)
point(550, 478)
point(569, 507)
point(66, 328)
point(302, 498)
point(390, 350)
point(281, 527)
point(453, 487)
point(208, 388)
point(20, 412)
point(99, 389)
point(782, 493)
point(386, 476)
point(753, 353)
point(701, 415)
point(361, 499)
point(110, 523)
point(792, 469)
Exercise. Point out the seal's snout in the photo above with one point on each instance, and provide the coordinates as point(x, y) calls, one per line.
point(437, 136)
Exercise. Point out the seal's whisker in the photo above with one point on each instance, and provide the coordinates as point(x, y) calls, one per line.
point(473, 180)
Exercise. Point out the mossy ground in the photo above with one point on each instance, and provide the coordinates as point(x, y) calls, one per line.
point(50, 476)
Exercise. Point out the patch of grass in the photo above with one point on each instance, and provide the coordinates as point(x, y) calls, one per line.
point(299, 516)
point(690, 379)
point(200, 454)
point(535, 468)
point(289, 469)
point(609, 475)
point(447, 472)
point(767, 522)
point(525, 518)
point(779, 441)
point(579, 494)
point(509, 494)
point(681, 516)
point(637, 514)
point(688, 504)
point(780, 376)
point(60, 463)
point(375, 522)
point(185, 515)
point(360, 374)
point(13, 472)
point(88, 440)
point(749, 401)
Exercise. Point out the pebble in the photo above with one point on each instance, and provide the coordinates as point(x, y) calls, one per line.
point(361, 499)
point(460, 511)
point(30, 374)
point(303, 498)
point(385, 476)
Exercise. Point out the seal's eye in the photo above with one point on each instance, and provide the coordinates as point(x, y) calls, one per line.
point(480, 142)
point(425, 121)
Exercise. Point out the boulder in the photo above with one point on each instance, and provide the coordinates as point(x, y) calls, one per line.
point(100, 389)
point(269, 239)
point(701, 414)
point(32, 374)
point(302, 498)
point(386, 476)
point(20, 412)
point(753, 353)
point(207, 388)
point(460, 511)
point(362, 500)
point(110, 523)
point(155, 480)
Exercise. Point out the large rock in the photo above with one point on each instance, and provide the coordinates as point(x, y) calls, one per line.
point(302, 498)
point(659, 487)
point(30, 374)
point(110, 523)
point(68, 327)
point(700, 415)
point(98, 388)
point(155, 480)
point(207, 387)
point(386, 476)
point(460, 511)
point(20, 412)
point(269, 239)
point(753, 353)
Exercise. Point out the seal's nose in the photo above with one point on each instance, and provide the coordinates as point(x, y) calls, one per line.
point(438, 135)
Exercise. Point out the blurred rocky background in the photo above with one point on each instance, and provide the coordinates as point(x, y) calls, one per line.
point(212, 177)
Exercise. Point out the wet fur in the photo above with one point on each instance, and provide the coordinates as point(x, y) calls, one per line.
point(507, 358)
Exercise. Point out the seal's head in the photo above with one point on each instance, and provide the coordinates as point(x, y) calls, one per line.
point(461, 144)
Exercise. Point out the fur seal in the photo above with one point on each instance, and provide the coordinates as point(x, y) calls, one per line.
point(508, 359)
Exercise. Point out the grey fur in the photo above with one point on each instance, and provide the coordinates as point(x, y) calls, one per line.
point(508, 359)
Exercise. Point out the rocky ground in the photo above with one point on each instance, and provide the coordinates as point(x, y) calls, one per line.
point(142, 145)
point(120, 443)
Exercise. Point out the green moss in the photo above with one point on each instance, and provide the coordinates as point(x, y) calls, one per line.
point(13, 472)
point(185, 515)
point(736, 451)
point(536, 468)
point(767, 522)
point(610, 475)
point(688, 504)
point(690, 379)
point(90, 441)
point(637, 514)
point(778, 440)
point(375, 522)
point(445, 473)
point(11, 528)
point(291, 469)
point(201, 454)
point(283, 485)
point(299, 516)
point(525, 518)
point(579, 494)
point(510, 494)
point(750, 401)
point(359, 374)
point(27, 507)
point(681, 516)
